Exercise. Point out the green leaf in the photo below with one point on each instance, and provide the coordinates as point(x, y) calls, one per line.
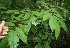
point(64, 10)
point(57, 30)
point(21, 35)
point(16, 12)
point(2, 7)
point(62, 23)
point(36, 13)
point(9, 11)
point(52, 22)
point(46, 16)
point(33, 20)
point(39, 46)
point(13, 11)
point(26, 16)
point(47, 46)
point(25, 10)
point(4, 42)
point(10, 24)
point(56, 13)
point(38, 39)
point(25, 28)
point(34, 29)
point(65, 13)
point(13, 39)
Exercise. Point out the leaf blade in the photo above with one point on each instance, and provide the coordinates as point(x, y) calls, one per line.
point(57, 30)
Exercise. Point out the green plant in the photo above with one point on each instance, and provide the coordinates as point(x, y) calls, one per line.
point(43, 22)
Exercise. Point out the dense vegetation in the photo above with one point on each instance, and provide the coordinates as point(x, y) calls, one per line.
point(36, 23)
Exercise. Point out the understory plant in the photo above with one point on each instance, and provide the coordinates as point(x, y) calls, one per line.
point(39, 25)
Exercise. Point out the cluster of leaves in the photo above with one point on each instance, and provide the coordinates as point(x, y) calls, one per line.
point(44, 22)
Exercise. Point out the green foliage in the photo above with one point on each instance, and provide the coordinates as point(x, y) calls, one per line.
point(62, 24)
point(52, 22)
point(13, 39)
point(38, 46)
point(4, 42)
point(46, 16)
point(57, 30)
point(21, 35)
point(32, 21)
